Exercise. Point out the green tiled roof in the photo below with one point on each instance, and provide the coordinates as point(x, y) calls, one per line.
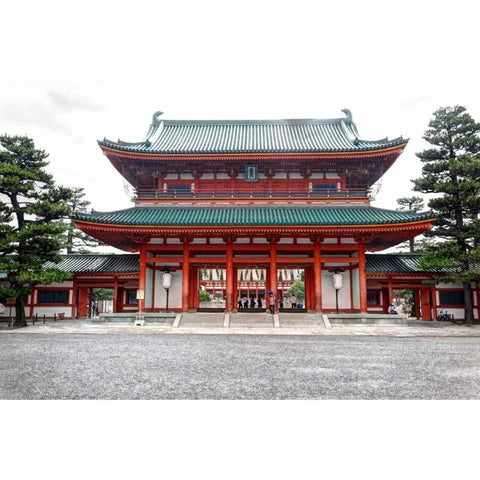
point(243, 136)
point(399, 263)
point(252, 216)
point(118, 263)
point(90, 263)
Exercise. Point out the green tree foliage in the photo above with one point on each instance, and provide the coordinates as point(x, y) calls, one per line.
point(31, 211)
point(413, 204)
point(451, 171)
point(203, 296)
point(77, 241)
point(103, 294)
point(297, 289)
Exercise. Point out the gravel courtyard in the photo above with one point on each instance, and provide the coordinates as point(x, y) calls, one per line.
point(123, 366)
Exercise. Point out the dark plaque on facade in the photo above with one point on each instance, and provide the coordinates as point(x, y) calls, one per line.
point(251, 172)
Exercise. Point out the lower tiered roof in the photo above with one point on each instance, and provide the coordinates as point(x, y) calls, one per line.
point(91, 263)
point(395, 263)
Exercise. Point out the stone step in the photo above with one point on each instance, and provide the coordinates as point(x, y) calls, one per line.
point(302, 319)
point(366, 319)
point(259, 320)
point(200, 319)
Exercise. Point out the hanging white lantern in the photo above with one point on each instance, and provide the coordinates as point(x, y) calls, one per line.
point(167, 280)
point(337, 281)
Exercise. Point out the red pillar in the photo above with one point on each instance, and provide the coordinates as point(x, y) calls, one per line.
point(310, 287)
point(142, 274)
point(426, 304)
point(193, 288)
point(185, 276)
point(74, 298)
point(90, 301)
point(115, 295)
point(433, 296)
point(273, 268)
point(416, 299)
point(229, 305)
point(82, 302)
point(390, 291)
point(235, 289)
point(362, 277)
point(478, 300)
point(120, 299)
point(317, 269)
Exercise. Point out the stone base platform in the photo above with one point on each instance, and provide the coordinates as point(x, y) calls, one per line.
point(366, 319)
point(253, 320)
point(165, 318)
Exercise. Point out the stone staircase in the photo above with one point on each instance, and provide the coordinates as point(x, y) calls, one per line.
point(366, 319)
point(201, 319)
point(302, 319)
point(222, 320)
point(253, 320)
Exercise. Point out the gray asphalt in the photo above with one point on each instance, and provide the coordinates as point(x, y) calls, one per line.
point(125, 366)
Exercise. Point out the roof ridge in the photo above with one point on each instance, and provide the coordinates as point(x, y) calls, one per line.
point(253, 121)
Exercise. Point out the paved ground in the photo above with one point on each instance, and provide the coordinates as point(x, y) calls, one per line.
point(415, 328)
point(132, 366)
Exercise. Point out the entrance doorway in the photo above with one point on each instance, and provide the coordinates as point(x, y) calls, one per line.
point(291, 289)
point(250, 295)
point(212, 288)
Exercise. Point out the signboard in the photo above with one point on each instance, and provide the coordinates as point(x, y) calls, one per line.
point(251, 172)
point(140, 294)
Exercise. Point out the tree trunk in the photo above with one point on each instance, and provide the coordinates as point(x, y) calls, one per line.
point(412, 245)
point(20, 319)
point(467, 291)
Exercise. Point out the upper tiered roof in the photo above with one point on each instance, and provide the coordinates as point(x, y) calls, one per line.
point(249, 136)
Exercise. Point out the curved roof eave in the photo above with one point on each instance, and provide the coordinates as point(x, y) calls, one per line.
point(170, 137)
point(309, 216)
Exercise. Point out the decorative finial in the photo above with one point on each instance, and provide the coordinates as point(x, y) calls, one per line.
point(348, 113)
point(155, 119)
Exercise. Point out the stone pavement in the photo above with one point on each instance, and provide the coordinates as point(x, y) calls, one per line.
point(415, 328)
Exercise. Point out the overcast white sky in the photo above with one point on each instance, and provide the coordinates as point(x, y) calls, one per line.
point(72, 76)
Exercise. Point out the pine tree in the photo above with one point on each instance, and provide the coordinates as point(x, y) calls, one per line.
point(77, 241)
point(31, 211)
point(451, 171)
point(297, 289)
point(413, 204)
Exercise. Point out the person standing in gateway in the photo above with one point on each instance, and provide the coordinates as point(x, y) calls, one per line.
point(271, 302)
point(293, 301)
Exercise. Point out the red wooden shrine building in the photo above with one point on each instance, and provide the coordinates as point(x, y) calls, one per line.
point(239, 208)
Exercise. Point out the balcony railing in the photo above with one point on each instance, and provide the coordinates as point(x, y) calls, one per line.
point(250, 193)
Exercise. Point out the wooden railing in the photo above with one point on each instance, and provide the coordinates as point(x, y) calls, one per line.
point(250, 193)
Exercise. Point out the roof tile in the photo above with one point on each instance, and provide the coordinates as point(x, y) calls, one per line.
point(252, 216)
point(237, 136)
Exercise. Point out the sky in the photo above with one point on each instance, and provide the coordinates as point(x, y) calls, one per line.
point(75, 72)
point(73, 76)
